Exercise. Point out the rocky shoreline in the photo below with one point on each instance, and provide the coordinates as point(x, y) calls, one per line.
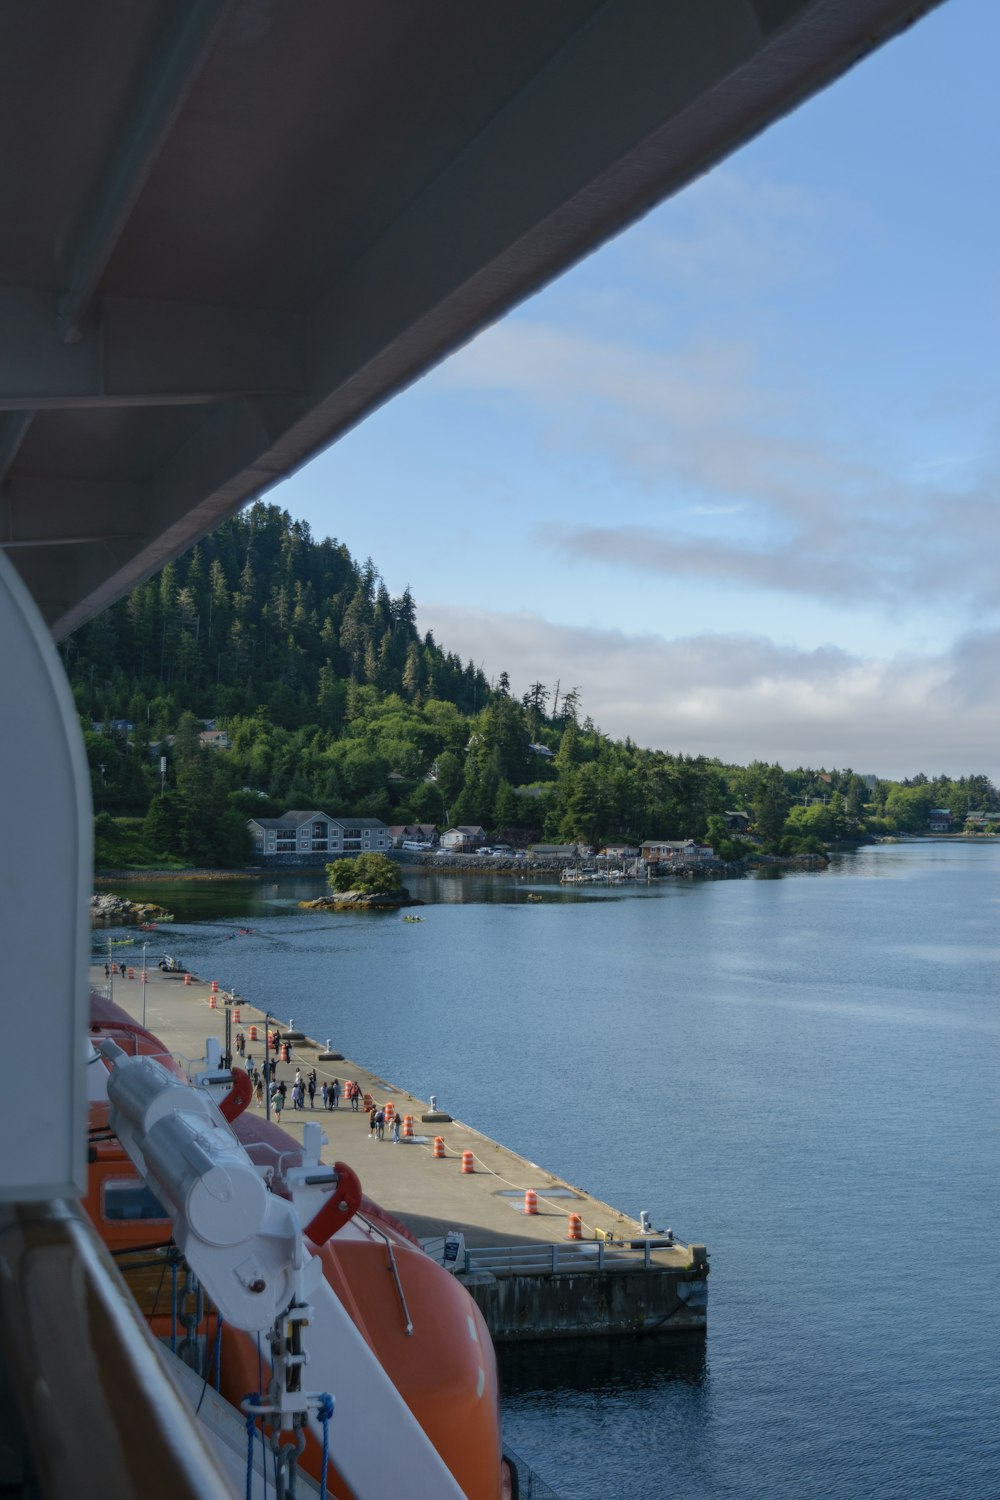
point(109, 910)
point(362, 901)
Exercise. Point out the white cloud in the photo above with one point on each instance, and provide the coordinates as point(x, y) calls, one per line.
point(742, 697)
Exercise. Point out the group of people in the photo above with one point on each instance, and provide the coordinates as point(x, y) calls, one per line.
point(305, 1085)
point(377, 1123)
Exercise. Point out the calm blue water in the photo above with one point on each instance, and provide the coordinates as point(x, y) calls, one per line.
point(801, 1072)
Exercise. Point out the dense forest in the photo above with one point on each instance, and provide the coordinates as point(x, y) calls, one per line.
point(329, 697)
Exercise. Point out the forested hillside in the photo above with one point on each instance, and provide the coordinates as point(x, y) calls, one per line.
point(330, 698)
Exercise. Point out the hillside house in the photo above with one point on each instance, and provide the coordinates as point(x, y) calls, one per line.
point(939, 820)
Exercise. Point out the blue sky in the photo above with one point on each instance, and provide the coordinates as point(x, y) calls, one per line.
point(734, 476)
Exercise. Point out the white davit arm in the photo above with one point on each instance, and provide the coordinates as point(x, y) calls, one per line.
point(242, 1242)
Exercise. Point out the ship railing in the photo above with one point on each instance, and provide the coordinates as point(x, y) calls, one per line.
point(591, 1255)
point(530, 1486)
point(82, 1388)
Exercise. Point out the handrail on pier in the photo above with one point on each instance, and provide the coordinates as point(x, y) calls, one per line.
point(571, 1256)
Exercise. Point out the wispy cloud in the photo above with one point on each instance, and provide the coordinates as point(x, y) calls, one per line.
point(742, 697)
point(814, 512)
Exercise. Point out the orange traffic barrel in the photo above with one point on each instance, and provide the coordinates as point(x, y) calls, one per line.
point(213, 1004)
point(253, 1033)
point(284, 1052)
point(215, 985)
point(144, 975)
point(439, 1146)
point(367, 1101)
point(236, 1015)
point(574, 1230)
point(408, 1125)
point(468, 1162)
point(530, 1201)
point(131, 973)
point(187, 978)
point(390, 1111)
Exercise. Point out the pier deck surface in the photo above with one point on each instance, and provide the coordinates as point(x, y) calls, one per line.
point(430, 1196)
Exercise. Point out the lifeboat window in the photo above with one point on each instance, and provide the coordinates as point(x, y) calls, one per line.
point(131, 1199)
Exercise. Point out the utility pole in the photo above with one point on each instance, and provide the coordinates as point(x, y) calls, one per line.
point(144, 947)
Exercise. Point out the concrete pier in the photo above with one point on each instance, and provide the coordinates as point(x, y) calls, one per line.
point(529, 1278)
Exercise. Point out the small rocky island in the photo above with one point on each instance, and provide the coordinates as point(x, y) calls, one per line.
point(364, 882)
point(109, 910)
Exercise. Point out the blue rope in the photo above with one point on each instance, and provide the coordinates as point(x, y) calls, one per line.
point(251, 1423)
point(325, 1412)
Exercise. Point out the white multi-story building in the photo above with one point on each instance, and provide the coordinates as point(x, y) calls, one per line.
point(316, 832)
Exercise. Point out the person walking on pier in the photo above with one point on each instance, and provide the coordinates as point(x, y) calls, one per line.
point(380, 1122)
point(371, 1118)
point(395, 1130)
point(335, 1094)
point(311, 1088)
point(355, 1095)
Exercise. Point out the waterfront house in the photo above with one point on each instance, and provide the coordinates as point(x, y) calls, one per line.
point(462, 838)
point(560, 851)
point(939, 820)
point(656, 851)
point(737, 821)
point(619, 852)
point(423, 834)
point(313, 832)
